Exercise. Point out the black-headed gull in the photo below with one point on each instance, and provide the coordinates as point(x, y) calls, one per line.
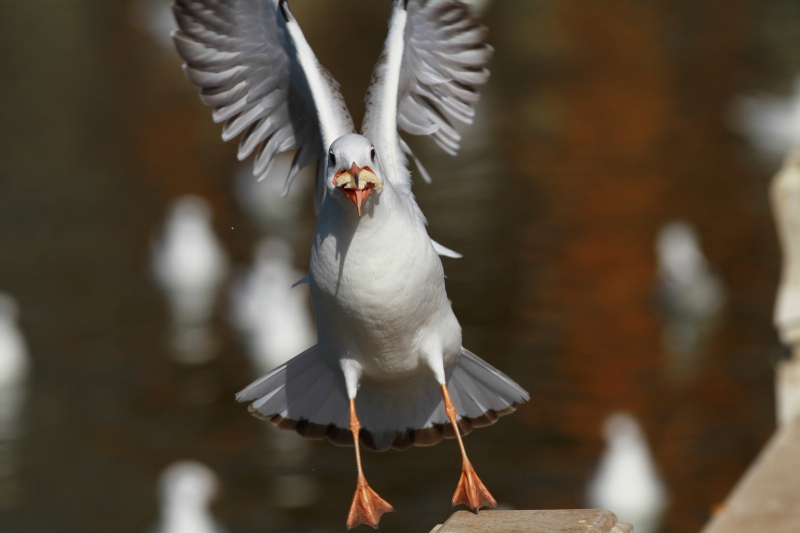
point(388, 370)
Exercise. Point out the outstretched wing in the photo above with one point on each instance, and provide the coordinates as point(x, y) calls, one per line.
point(254, 66)
point(433, 62)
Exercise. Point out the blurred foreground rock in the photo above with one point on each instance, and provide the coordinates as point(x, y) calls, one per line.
point(767, 498)
point(785, 196)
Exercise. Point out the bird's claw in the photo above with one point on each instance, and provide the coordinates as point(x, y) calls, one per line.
point(367, 506)
point(471, 491)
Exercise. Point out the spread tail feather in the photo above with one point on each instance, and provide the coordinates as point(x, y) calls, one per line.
point(304, 394)
point(309, 396)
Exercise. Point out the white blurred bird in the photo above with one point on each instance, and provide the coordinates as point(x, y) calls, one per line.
point(190, 265)
point(273, 315)
point(186, 491)
point(389, 369)
point(627, 482)
point(13, 349)
point(772, 123)
point(14, 369)
point(261, 199)
point(692, 297)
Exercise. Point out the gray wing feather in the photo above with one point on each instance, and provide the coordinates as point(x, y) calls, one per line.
point(443, 65)
point(240, 54)
point(434, 61)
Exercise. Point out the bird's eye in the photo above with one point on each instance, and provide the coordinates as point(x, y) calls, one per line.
point(332, 158)
point(372, 153)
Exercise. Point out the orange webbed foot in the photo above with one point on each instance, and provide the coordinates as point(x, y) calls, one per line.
point(471, 490)
point(367, 506)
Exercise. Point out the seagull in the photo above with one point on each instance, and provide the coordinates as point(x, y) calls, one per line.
point(261, 200)
point(190, 265)
point(627, 481)
point(187, 488)
point(388, 369)
point(14, 370)
point(771, 122)
point(13, 349)
point(691, 295)
point(273, 315)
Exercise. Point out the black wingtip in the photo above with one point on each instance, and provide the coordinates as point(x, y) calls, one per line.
point(282, 4)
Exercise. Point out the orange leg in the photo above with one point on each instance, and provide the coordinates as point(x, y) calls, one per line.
point(367, 506)
point(470, 491)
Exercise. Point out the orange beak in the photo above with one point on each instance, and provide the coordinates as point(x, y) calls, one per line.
point(357, 196)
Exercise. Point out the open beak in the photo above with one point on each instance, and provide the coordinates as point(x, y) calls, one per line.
point(357, 184)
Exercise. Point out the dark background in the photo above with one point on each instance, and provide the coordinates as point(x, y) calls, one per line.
point(601, 122)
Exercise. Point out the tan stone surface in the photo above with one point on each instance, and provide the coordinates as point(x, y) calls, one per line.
point(562, 521)
point(767, 498)
point(787, 389)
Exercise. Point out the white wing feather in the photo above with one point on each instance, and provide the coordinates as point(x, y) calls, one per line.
point(434, 59)
point(254, 66)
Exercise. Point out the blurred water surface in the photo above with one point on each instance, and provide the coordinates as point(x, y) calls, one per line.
point(602, 122)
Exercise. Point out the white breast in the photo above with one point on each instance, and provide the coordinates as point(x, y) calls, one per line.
point(377, 287)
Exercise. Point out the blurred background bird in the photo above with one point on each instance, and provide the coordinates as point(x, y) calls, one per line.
point(691, 296)
point(770, 122)
point(190, 265)
point(272, 315)
point(14, 369)
point(627, 481)
point(186, 491)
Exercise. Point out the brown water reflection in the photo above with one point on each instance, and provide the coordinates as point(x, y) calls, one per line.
point(601, 123)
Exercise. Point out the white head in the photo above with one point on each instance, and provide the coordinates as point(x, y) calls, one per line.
point(353, 170)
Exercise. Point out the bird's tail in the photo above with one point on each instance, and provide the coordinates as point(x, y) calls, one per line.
point(309, 396)
point(304, 394)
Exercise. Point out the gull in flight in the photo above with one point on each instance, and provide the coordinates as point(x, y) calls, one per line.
point(388, 369)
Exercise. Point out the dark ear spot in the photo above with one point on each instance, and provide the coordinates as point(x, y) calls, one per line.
point(331, 158)
point(372, 153)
